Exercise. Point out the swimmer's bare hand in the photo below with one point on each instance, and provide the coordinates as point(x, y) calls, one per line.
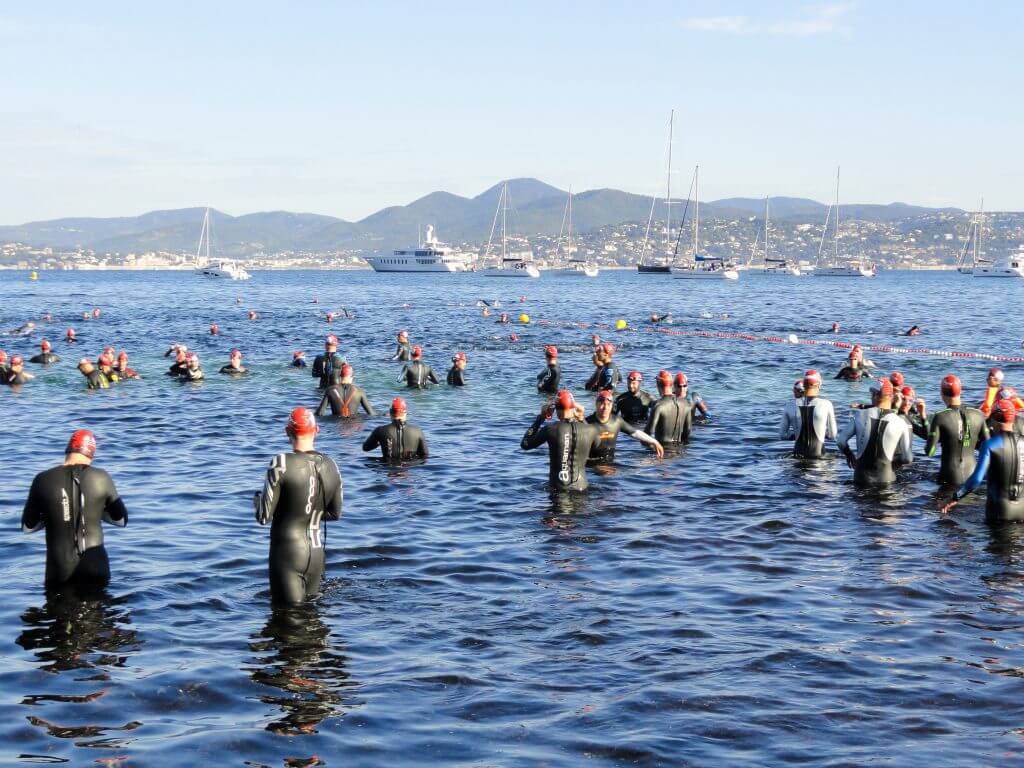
point(659, 450)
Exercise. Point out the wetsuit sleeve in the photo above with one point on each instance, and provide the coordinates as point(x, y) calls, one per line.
point(431, 375)
point(630, 430)
point(535, 436)
point(933, 436)
point(317, 369)
point(788, 429)
point(652, 421)
point(980, 471)
point(114, 511)
point(398, 353)
point(367, 406)
point(905, 451)
point(422, 452)
point(266, 502)
point(332, 508)
point(32, 515)
point(403, 376)
point(984, 433)
point(373, 441)
point(322, 408)
point(605, 378)
point(831, 425)
point(843, 438)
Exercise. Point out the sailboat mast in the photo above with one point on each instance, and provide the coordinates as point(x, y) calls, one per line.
point(766, 231)
point(696, 209)
point(504, 222)
point(207, 234)
point(668, 182)
point(837, 216)
point(978, 239)
point(570, 248)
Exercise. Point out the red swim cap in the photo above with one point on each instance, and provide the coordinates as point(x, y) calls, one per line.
point(566, 402)
point(513, 337)
point(681, 380)
point(609, 348)
point(882, 387)
point(71, 333)
point(997, 374)
point(346, 370)
point(605, 394)
point(44, 345)
point(664, 378)
point(107, 359)
point(812, 378)
point(897, 379)
point(3, 356)
point(236, 353)
point(908, 393)
point(122, 355)
point(417, 351)
point(298, 353)
point(301, 422)
point(108, 351)
point(192, 356)
point(459, 356)
point(1006, 393)
point(398, 406)
point(635, 376)
point(84, 442)
point(214, 328)
point(951, 386)
point(16, 360)
point(1004, 411)
point(551, 351)
point(331, 341)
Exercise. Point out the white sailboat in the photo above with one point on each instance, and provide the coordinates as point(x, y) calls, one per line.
point(215, 267)
point(660, 264)
point(431, 256)
point(975, 237)
point(574, 267)
point(777, 266)
point(837, 268)
point(703, 267)
point(513, 263)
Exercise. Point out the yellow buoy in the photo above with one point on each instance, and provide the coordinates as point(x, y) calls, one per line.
point(524, 318)
point(621, 325)
point(34, 275)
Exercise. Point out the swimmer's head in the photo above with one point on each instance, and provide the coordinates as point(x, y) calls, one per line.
point(664, 382)
point(403, 335)
point(551, 352)
point(70, 334)
point(399, 410)
point(298, 353)
point(3, 357)
point(346, 372)
point(44, 345)
point(897, 379)
point(881, 390)
point(301, 424)
point(633, 381)
point(812, 381)
point(85, 365)
point(460, 359)
point(331, 343)
point(835, 327)
point(565, 402)
point(798, 388)
point(236, 354)
point(1006, 393)
point(995, 377)
point(17, 361)
point(192, 360)
point(604, 400)
point(1004, 412)
point(180, 355)
point(122, 357)
point(105, 360)
point(908, 394)
point(951, 386)
point(82, 441)
point(680, 382)
point(417, 352)
point(608, 349)
point(96, 312)
point(214, 328)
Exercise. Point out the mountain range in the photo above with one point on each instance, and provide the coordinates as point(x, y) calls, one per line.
point(534, 208)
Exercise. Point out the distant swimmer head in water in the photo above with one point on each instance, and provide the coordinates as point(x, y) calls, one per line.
point(459, 359)
point(96, 313)
point(503, 317)
point(835, 328)
point(914, 331)
point(86, 316)
point(44, 346)
point(403, 336)
point(214, 329)
point(485, 312)
point(253, 315)
point(70, 334)
point(330, 317)
point(17, 363)
point(3, 358)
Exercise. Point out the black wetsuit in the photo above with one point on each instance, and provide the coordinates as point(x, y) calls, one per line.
point(671, 420)
point(849, 373)
point(1001, 461)
point(301, 489)
point(232, 371)
point(14, 379)
point(71, 502)
point(191, 374)
point(959, 430)
point(635, 409)
point(398, 441)
point(44, 358)
point(608, 377)
point(883, 444)
point(570, 444)
point(123, 374)
point(299, 362)
point(417, 374)
point(344, 401)
point(603, 451)
point(96, 380)
point(403, 352)
point(177, 368)
point(547, 380)
point(456, 377)
point(324, 365)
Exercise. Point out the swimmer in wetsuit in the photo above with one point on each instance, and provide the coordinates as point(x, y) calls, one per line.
point(1009, 393)
point(457, 373)
point(810, 421)
point(16, 374)
point(609, 425)
point(883, 439)
point(192, 371)
point(608, 376)
point(3, 367)
point(912, 331)
point(570, 442)
point(547, 380)
point(398, 441)
point(698, 408)
point(105, 362)
point(234, 366)
point(93, 378)
point(324, 365)
point(70, 337)
point(299, 359)
point(122, 370)
point(344, 398)
point(1001, 462)
point(180, 360)
point(302, 488)
point(854, 369)
point(912, 410)
point(959, 430)
point(634, 405)
point(671, 419)
point(994, 386)
point(416, 374)
point(45, 356)
point(403, 352)
point(70, 502)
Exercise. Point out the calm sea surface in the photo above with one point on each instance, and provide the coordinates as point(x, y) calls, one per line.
point(725, 607)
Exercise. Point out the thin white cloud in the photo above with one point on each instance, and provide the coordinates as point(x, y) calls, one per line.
point(817, 20)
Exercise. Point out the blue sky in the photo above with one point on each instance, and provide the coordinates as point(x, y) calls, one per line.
point(342, 108)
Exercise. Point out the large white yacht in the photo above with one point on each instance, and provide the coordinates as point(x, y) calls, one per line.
point(431, 256)
point(215, 267)
point(1011, 266)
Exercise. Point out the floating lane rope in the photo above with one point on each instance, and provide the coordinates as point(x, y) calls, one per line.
point(753, 337)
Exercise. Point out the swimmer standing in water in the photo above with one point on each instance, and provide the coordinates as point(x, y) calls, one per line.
point(403, 352)
point(71, 501)
point(234, 366)
point(883, 439)
point(811, 421)
point(93, 378)
point(344, 397)
point(416, 374)
point(324, 365)
point(570, 442)
point(16, 374)
point(959, 430)
point(634, 405)
point(302, 488)
point(45, 356)
point(609, 425)
point(547, 380)
point(398, 441)
point(457, 373)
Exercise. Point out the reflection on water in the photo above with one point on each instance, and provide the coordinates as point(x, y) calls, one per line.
point(297, 655)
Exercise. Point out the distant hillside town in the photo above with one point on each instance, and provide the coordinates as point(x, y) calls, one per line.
point(611, 229)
